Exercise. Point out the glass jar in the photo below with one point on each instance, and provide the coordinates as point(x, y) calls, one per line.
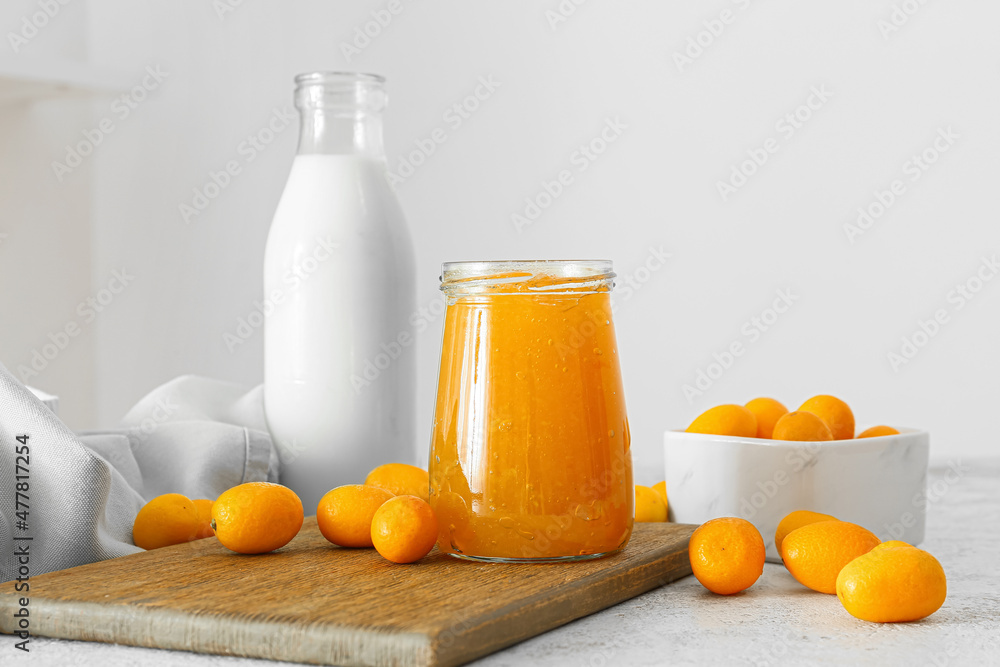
point(339, 385)
point(530, 454)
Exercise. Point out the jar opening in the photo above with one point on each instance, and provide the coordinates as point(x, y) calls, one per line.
point(354, 91)
point(551, 276)
point(338, 79)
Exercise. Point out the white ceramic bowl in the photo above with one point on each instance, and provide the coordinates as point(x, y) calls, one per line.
point(878, 483)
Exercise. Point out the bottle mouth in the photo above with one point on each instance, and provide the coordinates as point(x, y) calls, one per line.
point(355, 91)
point(348, 79)
point(533, 276)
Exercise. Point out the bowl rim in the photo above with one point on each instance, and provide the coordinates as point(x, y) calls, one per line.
point(904, 432)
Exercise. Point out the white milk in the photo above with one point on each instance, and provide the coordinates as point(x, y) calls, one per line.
point(339, 384)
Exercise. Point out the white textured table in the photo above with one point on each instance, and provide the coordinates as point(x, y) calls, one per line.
point(775, 622)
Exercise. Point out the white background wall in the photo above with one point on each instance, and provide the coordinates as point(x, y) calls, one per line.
point(655, 187)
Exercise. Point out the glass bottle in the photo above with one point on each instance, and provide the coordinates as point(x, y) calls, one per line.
point(530, 452)
point(339, 379)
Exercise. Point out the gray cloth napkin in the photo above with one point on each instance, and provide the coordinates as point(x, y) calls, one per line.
point(193, 435)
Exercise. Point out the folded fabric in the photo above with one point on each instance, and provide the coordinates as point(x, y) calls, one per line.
point(193, 435)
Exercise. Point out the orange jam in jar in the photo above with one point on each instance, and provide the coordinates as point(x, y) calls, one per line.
point(530, 455)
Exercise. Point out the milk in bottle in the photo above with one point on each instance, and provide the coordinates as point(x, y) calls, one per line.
point(338, 385)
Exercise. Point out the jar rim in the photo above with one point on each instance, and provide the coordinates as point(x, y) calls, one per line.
point(500, 276)
point(347, 94)
point(326, 77)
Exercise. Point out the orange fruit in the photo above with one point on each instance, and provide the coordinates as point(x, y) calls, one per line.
point(816, 553)
point(726, 420)
point(876, 431)
point(165, 520)
point(404, 529)
point(834, 412)
point(892, 544)
point(661, 491)
point(802, 426)
point(345, 514)
point(797, 519)
point(892, 585)
point(649, 507)
point(727, 555)
point(400, 479)
point(204, 507)
point(767, 411)
point(257, 517)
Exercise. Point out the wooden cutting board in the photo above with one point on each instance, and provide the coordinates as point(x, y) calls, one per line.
point(315, 603)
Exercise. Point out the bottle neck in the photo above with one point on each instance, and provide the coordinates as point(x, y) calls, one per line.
point(340, 132)
point(341, 113)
